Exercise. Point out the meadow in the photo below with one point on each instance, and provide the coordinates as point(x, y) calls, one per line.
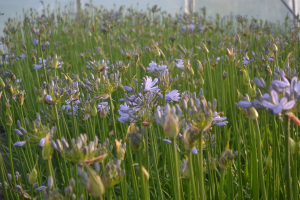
point(129, 104)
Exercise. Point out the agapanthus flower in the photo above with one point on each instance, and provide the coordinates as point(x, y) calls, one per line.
point(167, 141)
point(125, 112)
point(179, 63)
point(190, 27)
point(103, 108)
point(219, 121)
point(149, 85)
point(174, 95)
point(154, 67)
point(19, 143)
point(22, 56)
point(50, 63)
point(277, 106)
point(246, 61)
point(68, 107)
point(35, 41)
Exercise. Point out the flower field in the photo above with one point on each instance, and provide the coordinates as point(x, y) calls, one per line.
point(129, 104)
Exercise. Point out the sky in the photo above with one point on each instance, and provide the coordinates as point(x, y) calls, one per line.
point(272, 10)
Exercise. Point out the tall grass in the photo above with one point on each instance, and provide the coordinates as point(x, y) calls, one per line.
point(126, 104)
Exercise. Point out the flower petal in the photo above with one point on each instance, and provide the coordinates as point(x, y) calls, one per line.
point(275, 97)
point(268, 104)
point(277, 110)
point(245, 104)
point(289, 105)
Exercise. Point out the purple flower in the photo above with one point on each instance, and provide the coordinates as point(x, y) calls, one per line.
point(48, 98)
point(194, 150)
point(246, 61)
point(23, 56)
point(179, 63)
point(37, 66)
point(124, 112)
point(172, 96)
point(35, 41)
point(277, 106)
point(154, 67)
point(128, 89)
point(219, 121)
point(19, 143)
point(41, 188)
point(191, 27)
point(245, 104)
point(271, 59)
point(167, 141)
point(149, 85)
point(42, 142)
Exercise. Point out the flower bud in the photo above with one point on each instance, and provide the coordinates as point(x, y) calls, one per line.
point(95, 186)
point(246, 78)
point(171, 127)
point(32, 176)
point(251, 113)
point(94, 111)
point(47, 149)
point(9, 120)
point(2, 84)
point(119, 150)
point(274, 47)
point(54, 62)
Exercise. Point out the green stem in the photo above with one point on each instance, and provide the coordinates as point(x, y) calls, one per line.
point(2, 172)
point(160, 193)
point(10, 157)
point(112, 109)
point(142, 178)
point(191, 168)
point(177, 174)
point(221, 184)
point(201, 176)
point(108, 193)
point(260, 162)
point(287, 157)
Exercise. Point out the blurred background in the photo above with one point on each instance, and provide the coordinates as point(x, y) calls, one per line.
point(271, 10)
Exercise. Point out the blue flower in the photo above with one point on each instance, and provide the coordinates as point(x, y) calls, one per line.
point(154, 67)
point(167, 141)
point(19, 143)
point(246, 61)
point(149, 85)
point(277, 106)
point(179, 63)
point(35, 41)
point(190, 27)
point(219, 121)
point(37, 66)
point(172, 96)
point(194, 150)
